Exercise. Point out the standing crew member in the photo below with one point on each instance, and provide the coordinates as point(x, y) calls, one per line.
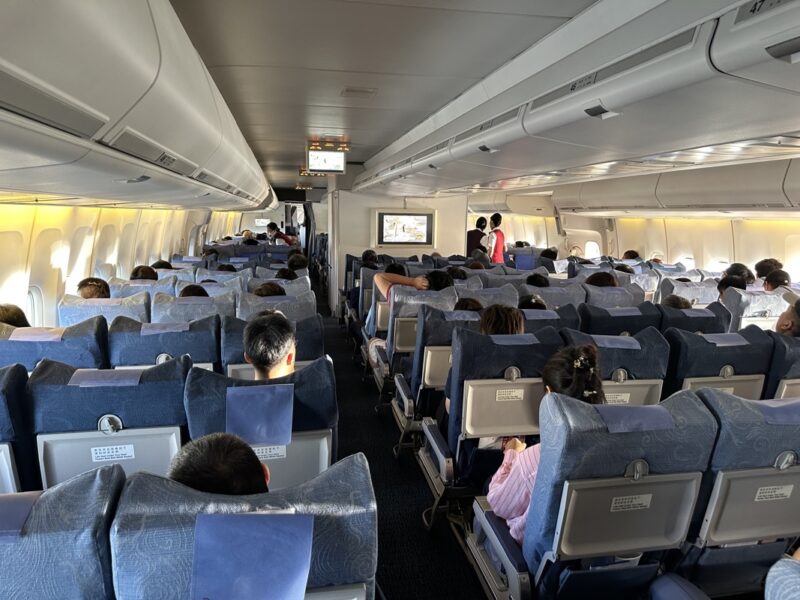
point(476, 237)
point(497, 239)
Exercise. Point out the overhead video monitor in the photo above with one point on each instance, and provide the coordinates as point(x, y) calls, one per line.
point(326, 161)
point(405, 229)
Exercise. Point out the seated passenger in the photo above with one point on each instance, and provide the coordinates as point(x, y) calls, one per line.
point(476, 265)
point(538, 280)
point(531, 303)
point(210, 252)
point(675, 301)
point(269, 345)
point(269, 288)
point(396, 269)
point(93, 287)
point(144, 272)
point(193, 291)
point(789, 321)
point(261, 237)
point(550, 253)
point(161, 264)
point(274, 233)
point(656, 260)
point(293, 252)
point(435, 280)
point(740, 270)
point(251, 241)
point(457, 273)
point(602, 279)
point(220, 463)
point(766, 266)
point(624, 269)
point(630, 255)
point(775, 279)
point(683, 279)
point(733, 281)
point(208, 281)
point(297, 262)
point(285, 274)
point(369, 256)
point(226, 268)
point(519, 244)
point(468, 304)
point(11, 314)
point(481, 257)
point(572, 371)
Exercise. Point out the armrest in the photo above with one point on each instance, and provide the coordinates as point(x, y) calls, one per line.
point(506, 547)
point(383, 361)
point(404, 392)
point(439, 449)
point(672, 587)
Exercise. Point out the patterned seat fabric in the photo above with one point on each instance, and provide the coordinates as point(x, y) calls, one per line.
point(122, 288)
point(783, 580)
point(294, 308)
point(74, 309)
point(83, 345)
point(167, 309)
point(556, 297)
point(505, 295)
point(614, 297)
point(643, 356)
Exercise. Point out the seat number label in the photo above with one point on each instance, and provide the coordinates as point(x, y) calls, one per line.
point(624, 503)
point(270, 452)
point(109, 453)
point(510, 395)
point(618, 398)
point(774, 492)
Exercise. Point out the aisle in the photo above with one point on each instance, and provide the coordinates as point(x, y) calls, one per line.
point(412, 562)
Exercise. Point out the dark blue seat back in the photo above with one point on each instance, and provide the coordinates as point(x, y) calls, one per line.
point(84, 345)
point(616, 321)
point(309, 337)
point(557, 296)
point(14, 428)
point(714, 318)
point(564, 316)
point(644, 355)
point(785, 362)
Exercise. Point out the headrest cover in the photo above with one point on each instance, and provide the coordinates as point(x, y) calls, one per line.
point(780, 412)
point(105, 377)
point(523, 339)
point(725, 339)
point(624, 419)
point(697, 312)
point(37, 334)
point(617, 341)
point(628, 311)
point(252, 555)
point(156, 328)
point(532, 314)
point(260, 414)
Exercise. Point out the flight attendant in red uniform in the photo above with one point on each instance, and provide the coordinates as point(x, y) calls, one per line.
point(497, 239)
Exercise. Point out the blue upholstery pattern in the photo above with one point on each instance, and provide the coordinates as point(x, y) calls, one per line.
point(122, 288)
point(748, 303)
point(576, 444)
point(783, 580)
point(82, 345)
point(406, 301)
point(294, 308)
point(575, 268)
point(477, 356)
point(13, 426)
point(614, 297)
point(610, 321)
point(692, 355)
point(556, 297)
point(127, 345)
point(153, 509)
point(74, 309)
point(167, 309)
point(292, 288)
point(240, 277)
point(213, 289)
point(186, 274)
point(309, 338)
point(785, 362)
point(647, 362)
point(263, 273)
point(157, 401)
point(714, 318)
point(64, 551)
point(703, 292)
point(505, 295)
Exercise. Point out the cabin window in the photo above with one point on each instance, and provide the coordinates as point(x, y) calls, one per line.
point(591, 250)
point(34, 308)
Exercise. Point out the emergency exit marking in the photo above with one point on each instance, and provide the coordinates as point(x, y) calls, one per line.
point(510, 395)
point(108, 453)
point(774, 492)
point(270, 452)
point(625, 503)
point(618, 398)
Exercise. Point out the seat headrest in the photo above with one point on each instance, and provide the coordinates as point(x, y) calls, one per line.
point(167, 309)
point(134, 343)
point(74, 309)
point(81, 345)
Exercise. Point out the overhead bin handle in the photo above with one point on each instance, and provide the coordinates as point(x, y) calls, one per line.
point(788, 51)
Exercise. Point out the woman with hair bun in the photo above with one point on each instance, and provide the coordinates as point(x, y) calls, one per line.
point(572, 371)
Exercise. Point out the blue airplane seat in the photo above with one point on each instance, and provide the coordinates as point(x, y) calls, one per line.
point(83, 345)
point(626, 320)
point(19, 469)
point(168, 309)
point(74, 309)
point(614, 297)
point(714, 318)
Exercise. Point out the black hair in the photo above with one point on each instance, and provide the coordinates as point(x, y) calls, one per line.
point(208, 281)
point(11, 314)
point(476, 264)
point(766, 266)
point(396, 269)
point(624, 269)
point(270, 288)
point(631, 255)
point(297, 262)
point(93, 287)
point(457, 273)
point(250, 242)
point(193, 291)
point(729, 281)
point(227, 268)
point(502, 320)
point(161, 264)
point(294, 251)
point(531, 303)
point(219, 463)
point(683, 279)
point(438, 280)
point(549, 253)
point(740, 270)
point(777, 278)
point(272, 226)
point(144, 272)
point(675, 301)
point(261, 236)
point(538, 280)
point(519, 244)
point(574, 371)
point(468, 304)
point(602, 279)
point(369, 256)
point(211, 252)
point(480, 223)
point(267, 340)
point(496, 219)
point(286, 274)
point(227, 238)
point(370, 265)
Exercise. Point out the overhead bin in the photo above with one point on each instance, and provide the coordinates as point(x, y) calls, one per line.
point(631, 192)
point(756, 185)
point(568, 197)
point(791, 185)
point(760, 42)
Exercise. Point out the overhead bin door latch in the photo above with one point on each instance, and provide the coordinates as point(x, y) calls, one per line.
point(598, 110)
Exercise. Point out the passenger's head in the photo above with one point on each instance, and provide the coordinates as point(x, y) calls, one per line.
point(286, 274)
point(602, 279)
point(550, 253)
point(395, 269)
point(675, 301)
point(269, 288)
point(220, 463)
point(468, 304)
point(144, 272)
point(457, 273)
point(297, 262)
point(531, 303)
point(630, 255)
point(193, 291)
point(261, 236)
point(293, 252)
point(683, 279)
point(269, 345)
point(480, 223)
point(247, 234)
point(438, 280)
point(208, 281)
point(766, 266)
point(658, 261)
point(272, 228)
point(775, 279)
point(495, 220)
point(730, 281)
point(227, 268)
point(740, 270)
point(519, 244)
point(538, 280)
point(161, 264)
point(502, 320)
point(93, 287)
point(789, 321)
point(369, 256)
point(11, 314)
point(211, 252)
point(625, 269)
point(574, 371)
point(476, 265)
point(436, 255)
